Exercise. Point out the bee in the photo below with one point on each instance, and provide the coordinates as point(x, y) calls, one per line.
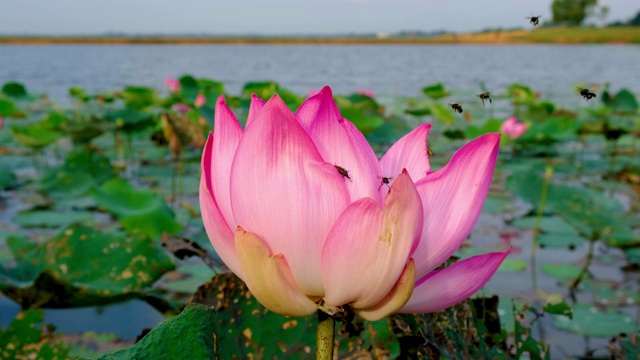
point(343, 172)
point(485, 96)
point(456, 107)
point(534, 20)
point(385, 181)
point(587, 94)
point(429, 151)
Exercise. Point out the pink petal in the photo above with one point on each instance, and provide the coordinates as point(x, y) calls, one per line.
point(256, 105)
point(368, 248)
point(395, 299)
point(172, 84)
point(410, 152)
point(443, 288)
point(200, 101)
point(452, 199)
point(282, 190)
point(217, 229)
point(226, 136)
point(340, 143)
point(268, 277)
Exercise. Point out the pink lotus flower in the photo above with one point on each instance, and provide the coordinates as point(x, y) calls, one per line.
point(300, 208)
point(1, 122)
point(199, 101)
point(172, 84)
point(512, 128)
point(181, 108)
point(367, 92)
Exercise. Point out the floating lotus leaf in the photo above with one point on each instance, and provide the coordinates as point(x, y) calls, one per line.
point(590, 321)
point(35, 135)
point(436, 91)
point(83, 169)
point(137, 210)
point(81, 266)
point(190, 335)
point(51, 218)
point(23, 339)
point(14, 89)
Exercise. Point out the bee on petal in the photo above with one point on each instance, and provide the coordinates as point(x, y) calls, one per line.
point(342, 171)
point(456, 107)
point(429, 151)
point(385, 181)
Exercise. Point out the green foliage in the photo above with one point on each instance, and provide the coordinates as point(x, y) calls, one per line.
point(137, 210)
point(436, 91)
point(81, 266)
point(9, 108)
point(14, 90)
point(590, 321)
point(7, 178)
point(190, 335)
point(363, 111)
point(623, 101)
point(51, 218)
point(266, 89)
point(560, 308)
point(564, 272)
point(138, 97)
point(24, 339)
point(572, 12)
point(592, 214)
point(83, 169)
point(35, 135)
point(191, 87)
point(130, 119)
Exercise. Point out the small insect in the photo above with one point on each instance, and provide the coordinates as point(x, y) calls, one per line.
point(485, 96)
point(587, 94)
point(534, 20)
point(385, 181)
point(429, 151)
point(456, 107)
point(343, 172)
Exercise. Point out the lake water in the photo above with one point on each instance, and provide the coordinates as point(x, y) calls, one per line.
point(387, 69)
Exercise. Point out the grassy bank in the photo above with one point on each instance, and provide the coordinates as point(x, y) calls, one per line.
point(556, 35)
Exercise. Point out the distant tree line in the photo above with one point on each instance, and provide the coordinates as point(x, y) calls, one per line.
point(575, 12)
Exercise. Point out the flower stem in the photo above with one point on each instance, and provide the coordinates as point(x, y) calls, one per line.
point(325, 336)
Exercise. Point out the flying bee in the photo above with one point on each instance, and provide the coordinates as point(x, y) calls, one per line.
point(534, 20)
point(485, 96)
point(429, 151)
point(456, 107)
point(385, 181)
point(343, 172)
point(587, 94)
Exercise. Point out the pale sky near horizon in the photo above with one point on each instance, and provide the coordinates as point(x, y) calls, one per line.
point(278, 17)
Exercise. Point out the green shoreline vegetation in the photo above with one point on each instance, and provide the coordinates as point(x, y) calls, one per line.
point(546, 35)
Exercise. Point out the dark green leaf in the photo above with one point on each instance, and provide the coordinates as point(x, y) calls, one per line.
point(14, 89)
point(51, 218)
point(588, 320)
point(435, 91)
point(7, 178)
point(82, 266)
point(23, 339)
point(560, 308)
point(138, 97)
point(190, 335)
point(137, 210)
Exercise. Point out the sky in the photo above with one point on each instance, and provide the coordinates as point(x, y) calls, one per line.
point(274, 17)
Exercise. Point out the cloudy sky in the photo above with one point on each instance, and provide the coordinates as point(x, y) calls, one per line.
point(273, 16)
